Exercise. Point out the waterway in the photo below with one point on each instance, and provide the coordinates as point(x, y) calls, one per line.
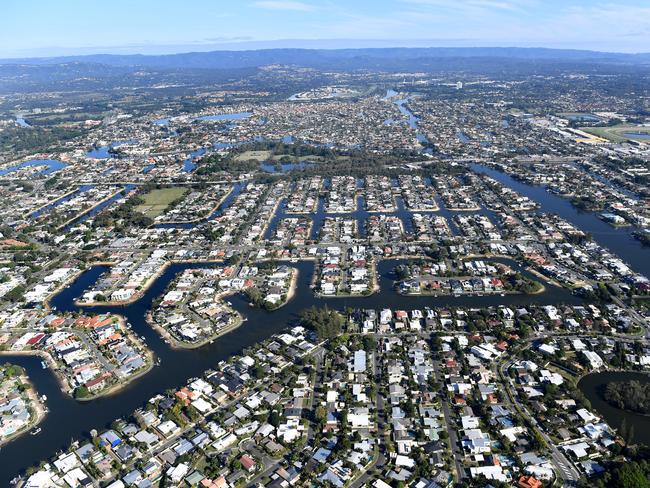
point(101, 206)
point(43, 210)
point(189, 165)
point(234, 116)
point(618, 240)
point(104, 152)
point(69, 419)
point(593, 386)
point(637, 135)
point(51, 165)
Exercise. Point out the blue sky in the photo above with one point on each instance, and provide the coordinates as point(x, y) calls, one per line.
point(61, 27)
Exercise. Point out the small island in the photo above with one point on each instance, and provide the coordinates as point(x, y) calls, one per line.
point(632, 395)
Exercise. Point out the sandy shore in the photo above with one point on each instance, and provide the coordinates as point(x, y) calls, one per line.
point(292, 286)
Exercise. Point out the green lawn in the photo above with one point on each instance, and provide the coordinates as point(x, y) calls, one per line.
point(616, 132)
point(156, 201)
point(257, 155)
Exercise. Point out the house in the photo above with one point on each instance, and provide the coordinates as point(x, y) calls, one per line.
point(359, 361)
point(247, 463)
point(529, 482)
point(110, 438)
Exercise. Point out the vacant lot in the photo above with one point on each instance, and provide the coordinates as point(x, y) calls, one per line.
point(156, 201)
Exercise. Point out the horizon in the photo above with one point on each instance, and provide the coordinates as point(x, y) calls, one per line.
point(315, 44)
point(76, 28)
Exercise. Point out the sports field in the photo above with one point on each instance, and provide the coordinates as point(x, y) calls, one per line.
point(621, 132)
point(156, 201)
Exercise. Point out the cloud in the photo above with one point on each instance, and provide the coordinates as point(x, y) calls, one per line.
point(476, 5)
point(227, 39)
point(284, 5)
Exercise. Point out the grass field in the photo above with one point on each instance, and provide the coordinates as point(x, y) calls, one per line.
point(295, 159)
point(616, 133)
point(257, 155)
point(156, 201)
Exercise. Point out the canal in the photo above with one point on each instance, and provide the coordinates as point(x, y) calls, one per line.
point(69, 420)
point(620, 240)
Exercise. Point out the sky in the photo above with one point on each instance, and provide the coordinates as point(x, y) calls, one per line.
point(31, 28)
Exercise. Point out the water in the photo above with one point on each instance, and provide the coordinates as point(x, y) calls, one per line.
point(284, 168)
point(593, 386)
point(148, 168)
point(235, 116)
point(619, 240)
point(583, 118)
point(189, 165)
point(412, 119)
point(390, 93)
point(161, 122)
point(22, 122)
point(69, 419)
point(462, 137)
point(103, 152)
point(51, 165)
point(56, 203)
point(637, 135)
point(505, 124)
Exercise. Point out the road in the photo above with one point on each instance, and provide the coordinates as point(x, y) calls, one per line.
point(453, 436)
point(380, 459)
point(564, 468)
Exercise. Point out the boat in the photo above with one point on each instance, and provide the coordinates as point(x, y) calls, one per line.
point(43, 365)
point(36, 431)
point(44, 397)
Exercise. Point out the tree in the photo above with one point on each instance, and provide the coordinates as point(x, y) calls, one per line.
point(630, 475)
point(325, 322)
point(81, 392)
